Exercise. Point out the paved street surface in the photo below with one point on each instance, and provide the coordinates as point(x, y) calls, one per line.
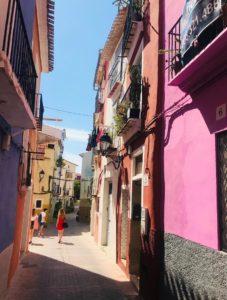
point(76, 269)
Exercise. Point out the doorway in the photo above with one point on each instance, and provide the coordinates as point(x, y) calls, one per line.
point(135, 242)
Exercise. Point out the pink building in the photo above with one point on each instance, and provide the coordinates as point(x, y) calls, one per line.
point(194, 144)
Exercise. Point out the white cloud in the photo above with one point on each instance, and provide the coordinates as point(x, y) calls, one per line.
point(74, 158)
point(74, 134)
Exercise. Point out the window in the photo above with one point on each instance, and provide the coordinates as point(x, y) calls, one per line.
point(51, 146)
point(38, 204)
point(138, 165)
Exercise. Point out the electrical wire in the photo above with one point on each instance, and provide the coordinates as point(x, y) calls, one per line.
point(68, 112)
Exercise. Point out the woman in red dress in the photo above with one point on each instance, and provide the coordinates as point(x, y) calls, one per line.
point(59, 224)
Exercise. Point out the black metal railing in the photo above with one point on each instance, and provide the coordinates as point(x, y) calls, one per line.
point(175, 60)
point(39, 111)
point(17, 48)
point(133, 95)
point(99, 101)
point(174, 49)
point(115, 74)
point(134, 15)
point(129, 107)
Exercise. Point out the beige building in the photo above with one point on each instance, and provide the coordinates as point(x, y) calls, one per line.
point(66, 179)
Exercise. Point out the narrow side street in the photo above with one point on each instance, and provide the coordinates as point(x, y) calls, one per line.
point(75, 269)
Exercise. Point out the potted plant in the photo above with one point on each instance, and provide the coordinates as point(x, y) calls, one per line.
point(136, 10)
point(135, 92)
point(120, 116)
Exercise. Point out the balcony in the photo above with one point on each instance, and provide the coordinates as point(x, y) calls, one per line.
point(39, 111)
point(99, 101)
point(99, 96)
point(132, 127)
point(133, 17)
point(127, 117)
point(17, 70)
point(115, 76)
point(204, 59)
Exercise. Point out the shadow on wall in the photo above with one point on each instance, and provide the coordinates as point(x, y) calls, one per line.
point(209, 101)
point(176, 289)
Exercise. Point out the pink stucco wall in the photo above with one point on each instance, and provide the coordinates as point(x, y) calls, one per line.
point(190, 209)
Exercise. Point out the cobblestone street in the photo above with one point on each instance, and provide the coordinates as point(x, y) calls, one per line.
point(75, 269)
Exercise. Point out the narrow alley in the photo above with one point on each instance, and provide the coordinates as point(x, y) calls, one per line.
point(74, 269)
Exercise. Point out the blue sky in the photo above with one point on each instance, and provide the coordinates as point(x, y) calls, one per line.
point(81, 29)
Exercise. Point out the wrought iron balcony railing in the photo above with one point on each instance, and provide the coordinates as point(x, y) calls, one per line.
point(134, 15)
point(99, 101)
point(39, 111)
point(177, 61)
point(174, 49)
point(17, 48)
point(115, 75)
point(129, 108)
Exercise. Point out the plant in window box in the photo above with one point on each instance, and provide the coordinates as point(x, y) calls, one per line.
point(135, 92)
point(120, 116)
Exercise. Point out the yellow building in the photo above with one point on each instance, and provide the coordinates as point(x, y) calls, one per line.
point(50, 143)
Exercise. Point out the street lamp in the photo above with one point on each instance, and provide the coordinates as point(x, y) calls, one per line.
point(41, 175)
point(106, 149)
point(105, 142)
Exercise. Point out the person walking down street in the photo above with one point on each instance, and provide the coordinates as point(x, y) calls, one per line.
point(34, 219)
point(59, 224)
point(42, 221)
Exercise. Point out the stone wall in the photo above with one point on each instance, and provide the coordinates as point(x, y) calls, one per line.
point(192, 271)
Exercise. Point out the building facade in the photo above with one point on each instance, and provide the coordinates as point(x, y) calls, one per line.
point(23, 46)
point(194, 209)
point(159, 143)
point(126, 181)
point(46, 182)
point(67, 179)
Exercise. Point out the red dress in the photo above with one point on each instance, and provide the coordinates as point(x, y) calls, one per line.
point(60, 223)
